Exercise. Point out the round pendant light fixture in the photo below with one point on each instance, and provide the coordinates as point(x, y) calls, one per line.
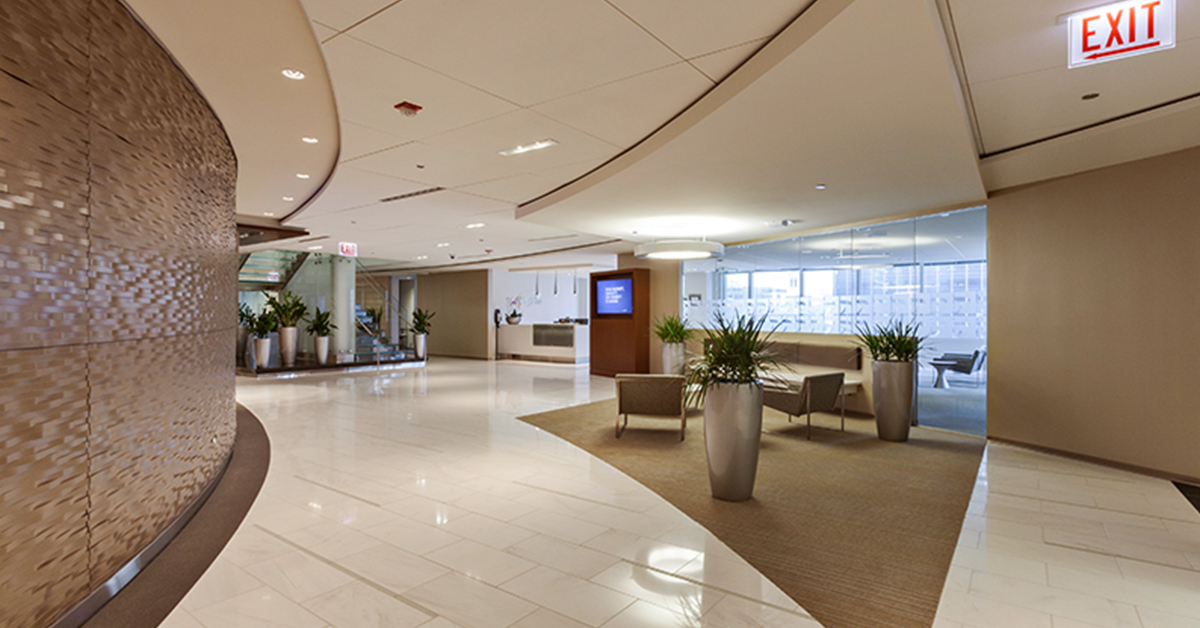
point(679, 249)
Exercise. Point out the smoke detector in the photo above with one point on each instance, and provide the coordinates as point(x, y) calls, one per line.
point(408, 109)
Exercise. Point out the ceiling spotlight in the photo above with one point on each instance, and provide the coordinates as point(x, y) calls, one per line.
point(422, 257)
point(288, 198)
point(442, 245)
point(820, 186)
point(546, 143)
point(310, 140)
point(268, 213)
point(301, 175)
point(475, 225)
point(315, 248)
point(1091, 96)
point(679, 249)
point(295, 75)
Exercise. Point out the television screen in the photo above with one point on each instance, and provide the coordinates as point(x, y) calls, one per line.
point(614, 296)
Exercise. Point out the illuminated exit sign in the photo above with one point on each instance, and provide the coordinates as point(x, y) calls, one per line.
point(348, 249)
point(1121, 30)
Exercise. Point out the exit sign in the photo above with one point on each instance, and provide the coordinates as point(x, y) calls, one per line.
point(1121, 30)
point(348, 249)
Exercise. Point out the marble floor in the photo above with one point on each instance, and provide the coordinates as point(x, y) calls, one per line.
point(415, 498)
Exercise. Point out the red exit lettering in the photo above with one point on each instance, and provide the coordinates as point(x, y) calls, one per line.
point(1121, 29)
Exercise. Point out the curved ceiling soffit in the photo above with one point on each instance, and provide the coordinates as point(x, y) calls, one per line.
point(791, 38)
point(264, 114)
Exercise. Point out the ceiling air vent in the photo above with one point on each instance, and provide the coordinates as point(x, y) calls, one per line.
point(400, 197)
point(557, 237)
point(324, 237)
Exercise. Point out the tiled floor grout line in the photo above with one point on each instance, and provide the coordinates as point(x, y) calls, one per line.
point(715, 588)
point(1124, 512)
point(582, 499)
point(1123, 557)
point(352, 574)
point(338, 491)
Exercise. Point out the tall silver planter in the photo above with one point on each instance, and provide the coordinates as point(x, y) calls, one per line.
point(732, 430)
point(321, 348)
point(287, 346)
point(674, 358)
point(262, 353)
point(419, 345)
point(892, 384)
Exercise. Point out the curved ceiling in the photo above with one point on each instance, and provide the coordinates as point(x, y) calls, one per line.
point(235, 52)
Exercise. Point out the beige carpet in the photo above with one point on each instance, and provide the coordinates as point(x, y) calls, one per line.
point(858, 531)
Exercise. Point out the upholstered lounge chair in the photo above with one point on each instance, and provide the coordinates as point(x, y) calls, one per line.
point(818, 393)
point(651, 395)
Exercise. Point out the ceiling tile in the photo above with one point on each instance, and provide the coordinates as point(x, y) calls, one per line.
point(718, 65)
point(628, 110)
point(516, 190)
point(340, 14)
point(369, 82)
point(359, 140)
point(471, 154)
point(696, 27)
point(352, 187)
point(526, 51)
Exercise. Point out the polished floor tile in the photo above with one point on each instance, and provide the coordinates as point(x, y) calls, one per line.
point(415, 498)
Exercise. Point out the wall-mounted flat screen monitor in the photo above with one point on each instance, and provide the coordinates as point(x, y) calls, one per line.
point(614, 296)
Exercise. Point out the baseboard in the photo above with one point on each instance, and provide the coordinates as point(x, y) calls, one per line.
point(1156, 473)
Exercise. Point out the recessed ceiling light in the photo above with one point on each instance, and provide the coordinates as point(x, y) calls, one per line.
point(268, 213)
point(316, 248)
point(442, 245)
point(475, 225)
point(546, 143)
point(288, 198)
point(1091, 96)
point(310, 140)
point(679, 249)
point(301, 175)
point(293, 74)
point(422, 257)
point(820, 186)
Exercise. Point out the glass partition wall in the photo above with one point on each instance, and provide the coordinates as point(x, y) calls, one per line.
point(932, 270)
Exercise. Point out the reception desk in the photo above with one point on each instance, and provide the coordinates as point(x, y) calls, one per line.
point(544, 342)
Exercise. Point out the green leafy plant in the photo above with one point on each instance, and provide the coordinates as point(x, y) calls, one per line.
point(671, 328)
point(245, 315)
point(735, 352)
point(515, 313)
point(288, 309)
point(896, 341)
point(320, 324)
point(376, 315)
point(263, 324)
point(421, 320)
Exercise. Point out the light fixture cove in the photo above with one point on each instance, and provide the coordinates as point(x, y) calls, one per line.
point(546, 143)
point(679, 249)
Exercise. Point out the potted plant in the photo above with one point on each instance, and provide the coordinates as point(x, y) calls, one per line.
point(727, 378)
point(261, 327)
point(893, 348)
point(674, 334)
point(420, 326)
point(320, 326)
point(245, 321)
point(513, 317)
point(289, 310)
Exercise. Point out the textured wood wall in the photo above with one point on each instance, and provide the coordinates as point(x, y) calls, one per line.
point(117, 298)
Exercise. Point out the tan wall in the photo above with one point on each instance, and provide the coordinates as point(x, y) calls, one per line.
point(1094, 293)
point(119, 299)
point(463, 325)
point(664, 296)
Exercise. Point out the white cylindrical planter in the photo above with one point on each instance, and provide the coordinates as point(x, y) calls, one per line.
point(262, 353)
point(287, 346)
point(419, 346)
point(732, 431)
point(321, 347)
point(892, 387)
point(674, 358)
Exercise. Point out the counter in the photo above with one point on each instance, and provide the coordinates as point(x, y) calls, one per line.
point(546, 342)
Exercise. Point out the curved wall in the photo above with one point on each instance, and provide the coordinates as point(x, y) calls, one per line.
point(117, 298)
